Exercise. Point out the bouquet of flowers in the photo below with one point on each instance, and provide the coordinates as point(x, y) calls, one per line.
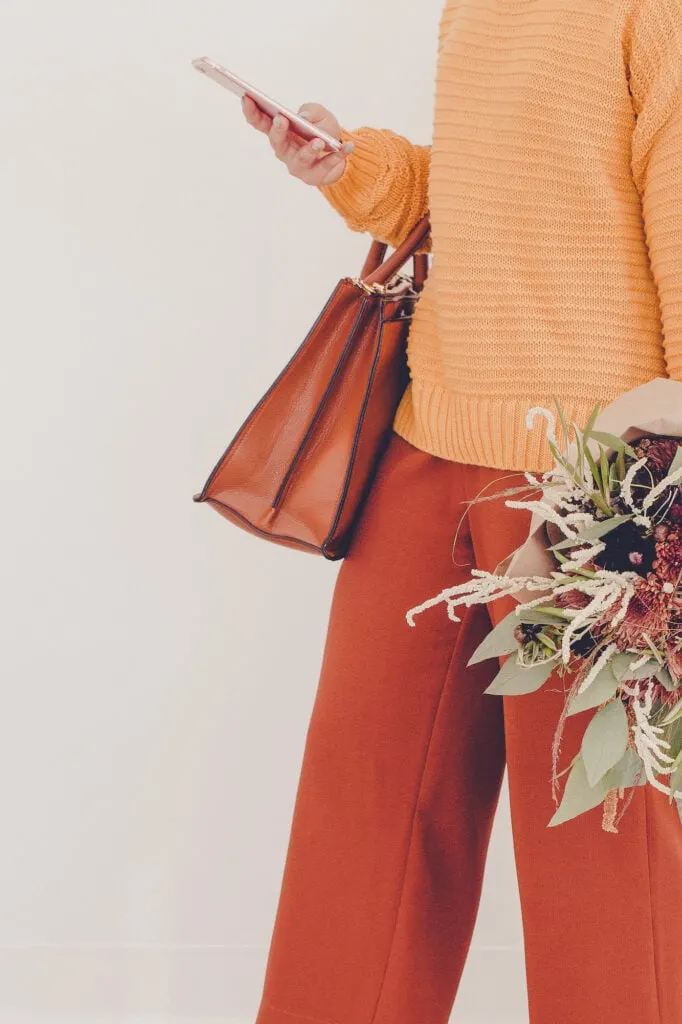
point(599, 589)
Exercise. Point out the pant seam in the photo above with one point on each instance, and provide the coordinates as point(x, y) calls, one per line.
point(646, 794)
point(300, 1016)
point(451, 659)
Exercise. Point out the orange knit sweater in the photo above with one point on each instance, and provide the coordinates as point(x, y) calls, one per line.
point(554, 185)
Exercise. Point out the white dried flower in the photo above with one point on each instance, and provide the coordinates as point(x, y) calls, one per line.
point(548, 415)
point(546, 512)
point(586, 518)
point(648, 741)
point(628, 594)
point(578, 558)
point(670, 480)
point(628, 480)
point(482, 588)
point(599, 664)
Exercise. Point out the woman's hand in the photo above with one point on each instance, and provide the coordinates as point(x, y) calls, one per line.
point(311, 161)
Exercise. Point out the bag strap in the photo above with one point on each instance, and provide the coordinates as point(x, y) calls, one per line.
point(376, 270)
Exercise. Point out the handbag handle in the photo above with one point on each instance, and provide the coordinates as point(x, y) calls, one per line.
point(376, 270)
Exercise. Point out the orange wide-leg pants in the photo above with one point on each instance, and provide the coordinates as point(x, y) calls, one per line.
point(401, 774)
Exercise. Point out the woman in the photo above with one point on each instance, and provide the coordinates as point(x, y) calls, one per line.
point(554, 184)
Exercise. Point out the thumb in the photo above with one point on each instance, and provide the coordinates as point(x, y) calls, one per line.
point(313, 112)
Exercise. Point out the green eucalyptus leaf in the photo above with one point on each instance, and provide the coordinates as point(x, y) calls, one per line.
point(645, 671)
point(578, 795)
point(601, 689)
point(605, 741)
point(627, 772)
point(664, 677)
point(568, 766)
point(515, 679)
point(620, 666)
point(498, 641)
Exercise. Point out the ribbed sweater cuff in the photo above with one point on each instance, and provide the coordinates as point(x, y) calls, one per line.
point(351, 194)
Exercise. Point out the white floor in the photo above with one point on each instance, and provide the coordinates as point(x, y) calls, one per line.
point(222, 985)
point(203, 985)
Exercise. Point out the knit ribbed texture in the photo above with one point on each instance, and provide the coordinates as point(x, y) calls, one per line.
point(554, 185)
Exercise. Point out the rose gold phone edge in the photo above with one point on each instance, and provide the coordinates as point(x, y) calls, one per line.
point(237, 85)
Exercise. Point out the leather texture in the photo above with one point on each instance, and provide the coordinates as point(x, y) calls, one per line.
point(300, 466)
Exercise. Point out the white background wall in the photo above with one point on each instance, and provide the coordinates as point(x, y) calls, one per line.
point(158, 664)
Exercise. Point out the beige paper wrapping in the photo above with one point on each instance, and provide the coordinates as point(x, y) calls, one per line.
point(652, 408)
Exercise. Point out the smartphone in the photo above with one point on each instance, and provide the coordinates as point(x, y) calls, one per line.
point(237, 85)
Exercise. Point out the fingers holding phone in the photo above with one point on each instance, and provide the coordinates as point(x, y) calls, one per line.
point(307, 142)
point(310, 161)
point(255, 116)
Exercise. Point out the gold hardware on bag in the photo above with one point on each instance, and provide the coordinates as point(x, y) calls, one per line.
point(400, 285)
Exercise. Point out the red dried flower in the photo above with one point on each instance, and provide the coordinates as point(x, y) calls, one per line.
point(572, 599)
point(668, 561)
point(659, 453)
point(648, 613)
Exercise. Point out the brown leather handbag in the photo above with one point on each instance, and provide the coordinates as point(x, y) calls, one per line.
point(300, 466)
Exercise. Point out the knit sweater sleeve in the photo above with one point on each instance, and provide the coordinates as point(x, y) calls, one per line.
point(655, 73)
point(385, 184)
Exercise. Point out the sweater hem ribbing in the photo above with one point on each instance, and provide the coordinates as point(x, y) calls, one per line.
point(479, 431)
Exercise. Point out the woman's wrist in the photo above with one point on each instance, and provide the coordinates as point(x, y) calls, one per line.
point(364, 166)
